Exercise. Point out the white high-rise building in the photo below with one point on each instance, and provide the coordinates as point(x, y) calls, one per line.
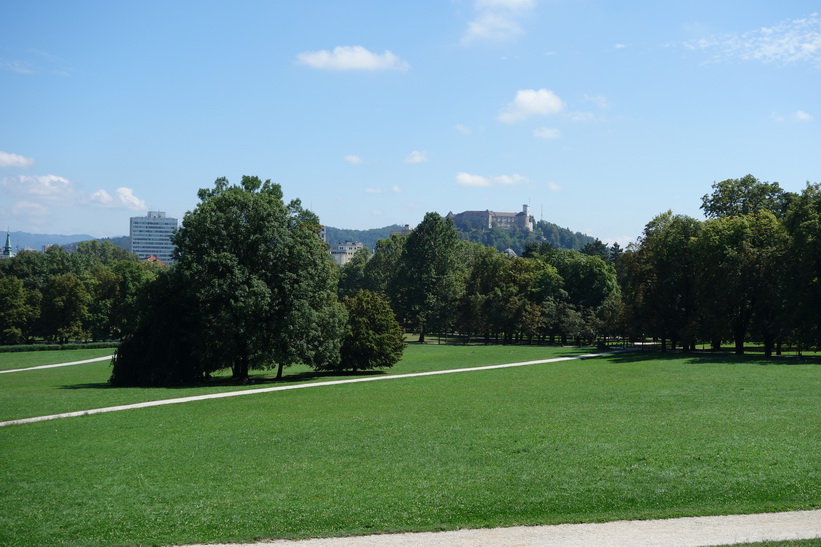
point(151, 236)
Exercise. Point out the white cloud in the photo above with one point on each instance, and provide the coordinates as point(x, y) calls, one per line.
point(56, 189)
point(619, 46)
point(797, 40)
point(354, 160)
point(802, 116)
point(7, 159)
point(376, 212)
point(125, 198)
point(50, 187)
point(553, 186)
point(351, 58)
point(496, 20)
point(396, 188)
point(462, 129)
point(531, 102)
point(478, 181)
point(417, 156)
point(374, 190)
point(547, 133)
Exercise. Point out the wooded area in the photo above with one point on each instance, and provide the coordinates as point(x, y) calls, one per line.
point(254, 287)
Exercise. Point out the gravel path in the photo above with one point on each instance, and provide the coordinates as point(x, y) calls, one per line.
point(679, 532)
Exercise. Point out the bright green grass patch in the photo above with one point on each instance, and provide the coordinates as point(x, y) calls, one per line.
point(623, 437)
point(9, 361)
point(82, 387)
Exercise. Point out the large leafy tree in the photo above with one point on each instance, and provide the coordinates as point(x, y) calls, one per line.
point(739, 269)
point(803, 265)
point(664, 284)
point(428, 281)
point(373, 338)
point(258, 280)
point(734, 197)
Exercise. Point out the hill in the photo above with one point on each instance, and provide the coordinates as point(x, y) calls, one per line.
point(558, 237)
point(516, 239)
point(25, 240)
point(367, 237)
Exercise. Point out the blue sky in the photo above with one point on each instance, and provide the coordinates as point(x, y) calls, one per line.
point(599, 114)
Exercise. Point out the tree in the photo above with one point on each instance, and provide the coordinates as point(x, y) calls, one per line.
point(104, 251)
point(380, 271)
point(803, 265)
point(427, 283)
point(16, 311)
point(739, 261)
point(260, 282)
point(65, 308)
point(373, 337)
point(352, 274)
point(734, 197)
point(668, 279)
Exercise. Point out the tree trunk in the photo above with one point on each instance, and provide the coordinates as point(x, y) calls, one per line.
point(422, 337)
point(279, 371)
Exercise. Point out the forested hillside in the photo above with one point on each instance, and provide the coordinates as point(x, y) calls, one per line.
point(501, 239)
point(545, 232)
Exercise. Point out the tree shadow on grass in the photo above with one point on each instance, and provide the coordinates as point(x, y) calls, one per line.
point(698, 357)
point(263, 379)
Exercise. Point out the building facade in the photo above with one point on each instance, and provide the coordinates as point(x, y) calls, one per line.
point(342, 253)
point(151, 236)
point(488, 219)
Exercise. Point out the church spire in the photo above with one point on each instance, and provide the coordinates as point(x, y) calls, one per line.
point(7, 251)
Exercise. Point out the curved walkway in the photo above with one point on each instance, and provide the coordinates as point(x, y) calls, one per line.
point(679, 532)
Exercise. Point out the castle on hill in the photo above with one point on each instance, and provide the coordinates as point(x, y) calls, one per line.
point(488, 219)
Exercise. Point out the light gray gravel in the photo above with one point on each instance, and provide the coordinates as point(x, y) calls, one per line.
point(679, 532)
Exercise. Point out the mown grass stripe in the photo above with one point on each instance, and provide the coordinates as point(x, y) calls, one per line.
point(223, 395)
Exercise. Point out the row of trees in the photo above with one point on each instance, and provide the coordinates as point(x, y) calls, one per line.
point(60, 296)
point(437, 283)
point(751, 270)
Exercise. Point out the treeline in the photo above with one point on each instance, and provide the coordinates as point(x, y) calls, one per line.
point(90, 294)
point(437, 283)
point(750, 272)
point(518, 239)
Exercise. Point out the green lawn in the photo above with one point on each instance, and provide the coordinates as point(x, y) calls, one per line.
point(15, 360)
point(623, 437)
point(81, 387)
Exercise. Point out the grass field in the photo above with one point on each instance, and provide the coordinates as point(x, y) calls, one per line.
point(627, 436)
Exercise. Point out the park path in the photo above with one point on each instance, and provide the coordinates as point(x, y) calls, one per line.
point(40, 367)
point(226, 394)
point(678, 532)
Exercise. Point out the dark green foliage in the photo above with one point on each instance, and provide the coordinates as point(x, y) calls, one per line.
point(253, 287)
point(520, 240)
point(104, 251)
point(427, 283)
point(164, 348)
point(352, 274)
point(373, 338)
point(734, 197)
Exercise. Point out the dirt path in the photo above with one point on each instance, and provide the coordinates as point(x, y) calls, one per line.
point(679, 532)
